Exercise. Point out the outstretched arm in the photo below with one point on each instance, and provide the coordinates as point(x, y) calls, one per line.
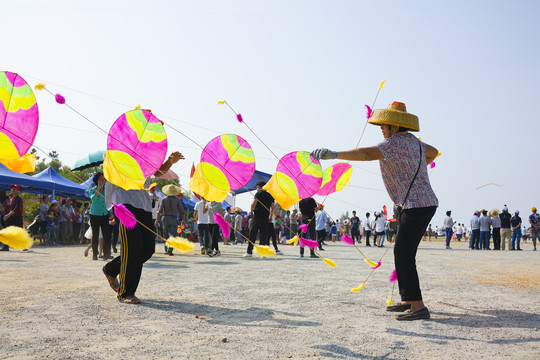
point(172, 159)
point(359, 154)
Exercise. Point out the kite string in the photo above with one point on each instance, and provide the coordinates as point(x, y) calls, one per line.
point(266, 146)
point(112, 136)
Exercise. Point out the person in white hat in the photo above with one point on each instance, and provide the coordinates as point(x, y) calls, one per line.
point(379, 224)
point(506, 231)
point(403, 159)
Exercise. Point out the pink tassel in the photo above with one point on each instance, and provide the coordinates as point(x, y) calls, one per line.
point(303, 227)
point(432, 165)
point(223, 225)
point(125, 216)
point(60, 99)
point(393, 276)
point(368, 112)
point(239, 118)
point(378, 265)
point(312, 244)
point(347, 239)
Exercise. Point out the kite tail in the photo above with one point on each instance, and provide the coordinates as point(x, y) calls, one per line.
point(223, 225)
point(312, 244)
point(347, 239)
point(393, 276)
point(125, 216)
point(374, 265)
point(16, 237)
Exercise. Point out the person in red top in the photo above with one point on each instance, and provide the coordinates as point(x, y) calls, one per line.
point(14, 211)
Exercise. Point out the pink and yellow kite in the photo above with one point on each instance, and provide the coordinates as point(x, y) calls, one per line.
point(19, 116)
point(335, 178)
point(298, 176)
point(136, 149)
point(227, 164)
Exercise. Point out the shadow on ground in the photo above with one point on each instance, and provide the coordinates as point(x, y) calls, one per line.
point(254, 316)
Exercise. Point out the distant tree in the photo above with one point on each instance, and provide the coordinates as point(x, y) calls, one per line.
point(345, 215)
point(54, 155)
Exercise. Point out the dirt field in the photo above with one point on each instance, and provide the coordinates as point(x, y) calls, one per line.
point(55, 303)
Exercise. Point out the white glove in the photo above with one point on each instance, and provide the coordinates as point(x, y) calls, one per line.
point(324, 154)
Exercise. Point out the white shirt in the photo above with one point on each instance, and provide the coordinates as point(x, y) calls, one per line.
point(379, 224)
point(137, 198)
point(448, 222)
point(367, 225)
point(201, 218)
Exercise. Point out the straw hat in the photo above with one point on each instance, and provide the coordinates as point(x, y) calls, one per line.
point(395, 114)
point(171, 190)
point(494, 212)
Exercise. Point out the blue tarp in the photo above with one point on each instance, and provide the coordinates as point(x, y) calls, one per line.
point(51, 181)
point(25, 182)
point(250, 186)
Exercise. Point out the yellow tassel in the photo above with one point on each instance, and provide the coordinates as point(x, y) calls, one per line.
point(381, 84)
point(330, 262)
point(264, 251)
point(371, 263)
point(39, 86)
point(137, 107)
point(16, 237)
point(357, 289)
point(221, 102)
point(293, 240)
point(181, 244)
point(389, 302)
point(439, 154)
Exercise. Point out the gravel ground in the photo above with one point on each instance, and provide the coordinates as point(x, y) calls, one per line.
point(55, 303)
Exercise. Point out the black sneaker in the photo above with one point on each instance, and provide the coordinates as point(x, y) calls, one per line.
point(416, 315)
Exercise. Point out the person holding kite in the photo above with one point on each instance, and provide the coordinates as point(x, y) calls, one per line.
point(137, 244)
point(403, 161)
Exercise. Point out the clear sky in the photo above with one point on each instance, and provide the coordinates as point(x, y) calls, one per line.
point(300, 73)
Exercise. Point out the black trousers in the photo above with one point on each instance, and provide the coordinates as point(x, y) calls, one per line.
point(355, 234)
point(258, 226)
point(137, 246)
point(96, 222)
point(213, 229)
point(412, 225)
point(274, 234)
point(321, 236)
point(497, 238)
point(311, 234)
point(368, 234)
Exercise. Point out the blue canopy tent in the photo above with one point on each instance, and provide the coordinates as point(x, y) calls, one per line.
point(25, 182)
point(53, 182)
point(250, 186)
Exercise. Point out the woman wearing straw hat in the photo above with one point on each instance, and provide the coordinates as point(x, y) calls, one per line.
point(403, 160)
point(168, 212)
